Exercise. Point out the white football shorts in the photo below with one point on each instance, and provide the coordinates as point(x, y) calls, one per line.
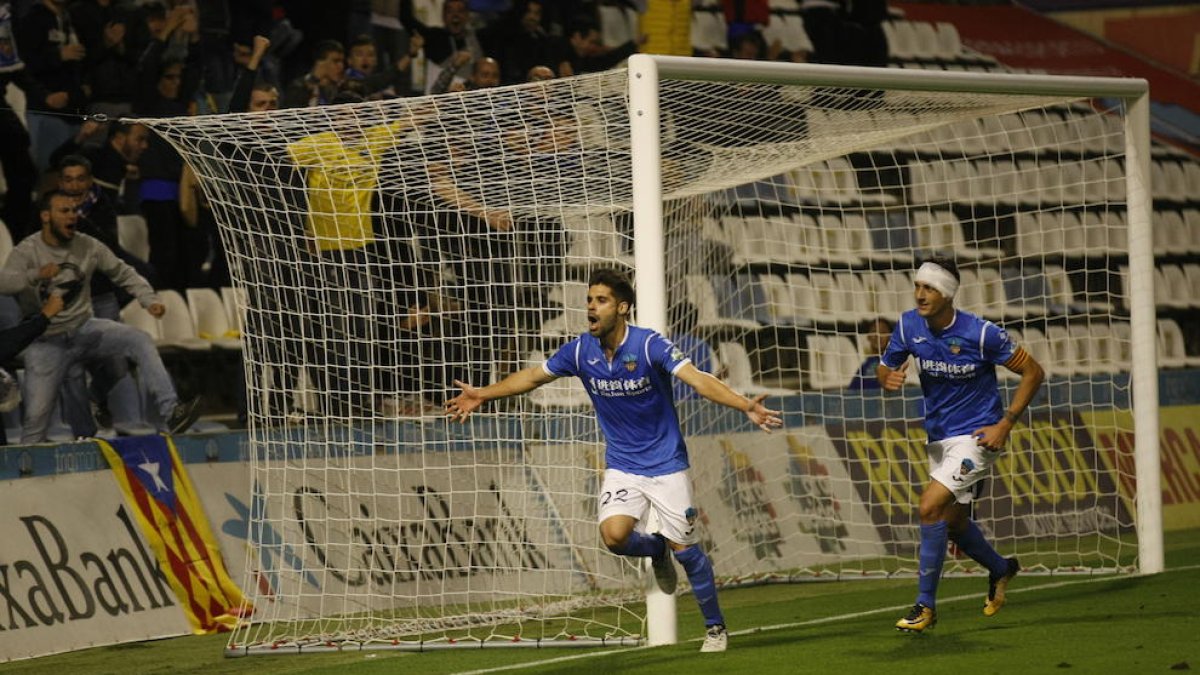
point(961, 465)
point(670, 496)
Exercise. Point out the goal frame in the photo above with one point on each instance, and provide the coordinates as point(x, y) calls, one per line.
point(645, 73)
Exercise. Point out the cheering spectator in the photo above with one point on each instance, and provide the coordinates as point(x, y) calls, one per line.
point(59, 260)
point(54, 55)
point(320, 85)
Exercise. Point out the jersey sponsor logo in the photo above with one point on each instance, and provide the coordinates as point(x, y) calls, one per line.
point(592, 362)
point(918, 340)
point(950, 371)
point(615, 387)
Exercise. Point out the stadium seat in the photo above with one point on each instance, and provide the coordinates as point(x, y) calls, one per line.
point(572, 297)
point(1075, 237)
point(16, 99)
point(787, 26)
point(970, 292)
point(832, 305)
point(1192, 274)
point(1035, 344)
point(133, 235)
point(1097, 242)
point(941, 231)
point(6, 242)
point(995, 303)
point(1171, 350)
point(1122, 345)
point(751, 239)
point(777, 298)
point(1061, 349)
point(234, 301)
point(1177, 290)
point(618, 24)
point(802, 242)
point(902, 40)
point(853, 298)
point(883, 301)
point(1169, 181)
point(1059, 295)
point(709, 32)
point(804, 300)
point(176, 324)
point(739, 373)
point(135, 315)
point(208, 315)
point(1091, 355)
point(891, 234)
point(836, 239)
point(1174, 238)
point(708, 306)
point(832, 361)
point(564, 392)
point(1191, 171)
point(593, 237)
point(1192, 218)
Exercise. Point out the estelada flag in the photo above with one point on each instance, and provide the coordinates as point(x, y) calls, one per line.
point(151, 475)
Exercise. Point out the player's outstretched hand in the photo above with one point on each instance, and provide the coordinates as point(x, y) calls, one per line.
point(763, 417)
point(459, 408)
point(895, 379)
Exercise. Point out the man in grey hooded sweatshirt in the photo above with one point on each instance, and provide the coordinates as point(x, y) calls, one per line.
point(60, 260)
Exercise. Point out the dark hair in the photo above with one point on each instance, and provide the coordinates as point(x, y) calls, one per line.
point(868, 325)
point(75, 160)
point(362, 41)
point(615, 280)
point(946, 263)
point(324, 47)
point(120, 128)
point(44, 199)
point(583, 25)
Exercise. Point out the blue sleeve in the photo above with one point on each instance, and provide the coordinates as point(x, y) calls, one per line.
point(897, 351)
point(998, 347)
point(564, 363)
point(664, 354)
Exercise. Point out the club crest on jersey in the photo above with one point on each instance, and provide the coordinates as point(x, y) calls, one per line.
point(955, 345)
point(691, 513)
point(677, 355)
point(630, 361)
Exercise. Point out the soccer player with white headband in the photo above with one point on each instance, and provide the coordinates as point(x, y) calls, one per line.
point(966, 424)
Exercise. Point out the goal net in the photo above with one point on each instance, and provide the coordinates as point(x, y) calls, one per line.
point(386, 249)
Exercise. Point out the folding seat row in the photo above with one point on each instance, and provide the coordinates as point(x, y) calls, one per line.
point(203, 321)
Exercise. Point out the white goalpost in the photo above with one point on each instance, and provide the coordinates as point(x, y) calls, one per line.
point(770, 214)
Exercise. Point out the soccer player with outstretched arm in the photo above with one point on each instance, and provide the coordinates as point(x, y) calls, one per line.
point(966, 423)
point(627, 372)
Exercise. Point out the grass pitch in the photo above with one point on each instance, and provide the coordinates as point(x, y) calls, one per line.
point(1050, 625)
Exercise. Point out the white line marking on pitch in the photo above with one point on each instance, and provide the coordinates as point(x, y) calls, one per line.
point(815, 622)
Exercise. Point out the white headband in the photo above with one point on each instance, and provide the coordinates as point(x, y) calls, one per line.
point(935, 276)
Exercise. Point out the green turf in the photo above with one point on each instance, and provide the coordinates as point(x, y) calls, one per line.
point(1052, 624)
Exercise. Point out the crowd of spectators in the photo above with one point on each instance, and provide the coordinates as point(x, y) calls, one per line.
point(83, 64)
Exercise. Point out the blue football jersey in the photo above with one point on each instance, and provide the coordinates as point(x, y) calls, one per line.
point(957, 367)
point(632, 397)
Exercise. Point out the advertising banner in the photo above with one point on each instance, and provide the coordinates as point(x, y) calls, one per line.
point(75, 571)
point(777, 502)
point(1050, 480)
point(1179, 454)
